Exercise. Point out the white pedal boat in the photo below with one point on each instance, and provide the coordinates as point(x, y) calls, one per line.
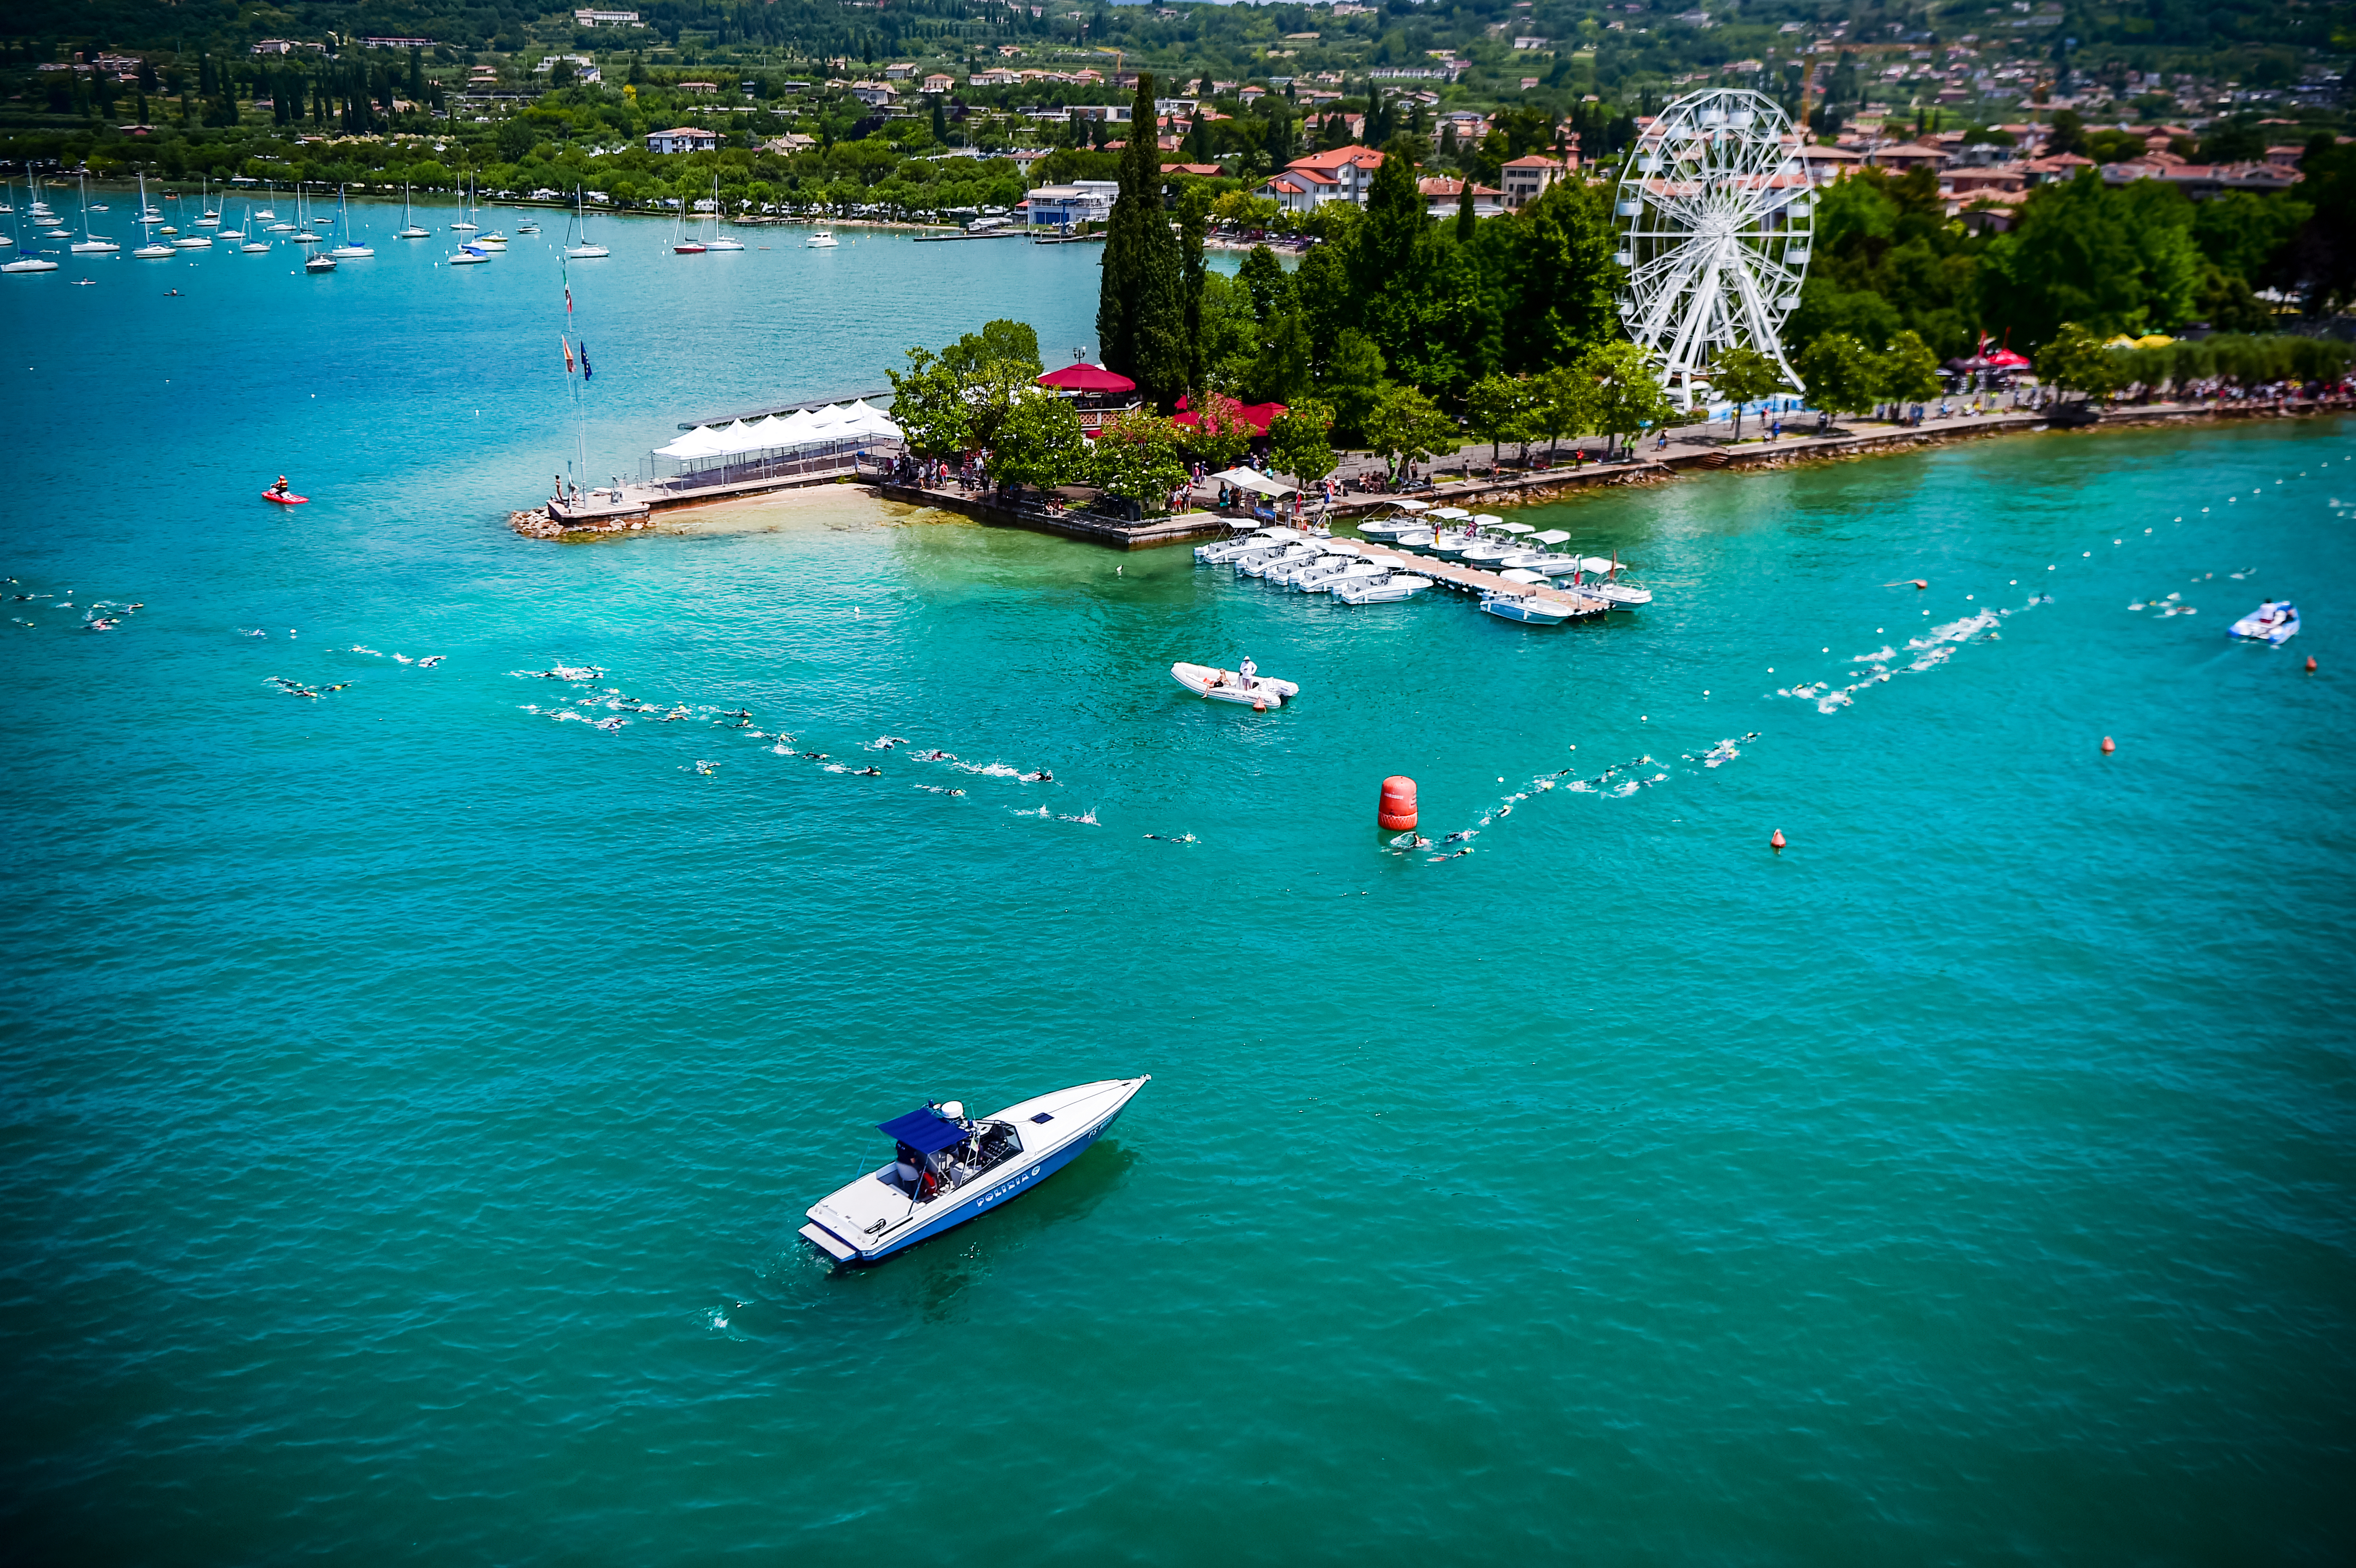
point(1607, 587)
point(945, 1169)
point(1226, 686)
point(1291, 555)
point(2274, 622)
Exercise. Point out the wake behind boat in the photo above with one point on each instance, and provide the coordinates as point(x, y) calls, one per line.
point(946, 1169)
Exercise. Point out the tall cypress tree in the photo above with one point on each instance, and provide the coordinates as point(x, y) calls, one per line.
point(1141, 307)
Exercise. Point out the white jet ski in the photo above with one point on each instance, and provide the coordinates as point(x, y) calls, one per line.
point(1226, 686)
point(2276, 622)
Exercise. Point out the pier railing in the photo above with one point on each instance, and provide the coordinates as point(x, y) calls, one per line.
point(842, 457)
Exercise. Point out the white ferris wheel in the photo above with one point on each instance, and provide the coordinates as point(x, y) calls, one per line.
point(1714, 212)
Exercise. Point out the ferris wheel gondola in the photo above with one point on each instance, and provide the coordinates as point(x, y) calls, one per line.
point(1714, 212)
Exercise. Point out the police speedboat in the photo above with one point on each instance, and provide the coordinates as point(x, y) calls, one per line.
point(947, 1168)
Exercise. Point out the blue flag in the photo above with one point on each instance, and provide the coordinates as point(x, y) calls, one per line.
point(584, 361)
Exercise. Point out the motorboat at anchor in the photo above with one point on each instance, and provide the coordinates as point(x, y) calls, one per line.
point(1527, 608)
point(1406, 519)
point(823, 239)
point(1387, 589)
point(947, 1168)
point(2274, 622)
point(1221, 552)
point(1246, 687)
point(1607, 587)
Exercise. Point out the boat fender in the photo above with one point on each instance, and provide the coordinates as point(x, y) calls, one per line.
point(2109, 745)
point(1396, 809)
point(1259, 708)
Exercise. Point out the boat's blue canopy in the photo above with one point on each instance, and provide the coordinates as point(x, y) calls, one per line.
point(924, 1131)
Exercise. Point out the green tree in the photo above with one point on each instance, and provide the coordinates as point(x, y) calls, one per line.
point(928, 404)
point(1550, 272)
point(1743, 375)
point(2114, 261)
point(991, 393)
point(1135, 458)
point(1282, 374)
point(1628, 393)
point(1408, 427)
point(1562, 403)
point(1039, 442)
point(1354, 382)
point(1498, 408)
point(2077, 360)
point(1842, 374)
point(1907, 371)
point(1264, 275)
point(1141, 303)
point(1015, 341)
point(1300, 441)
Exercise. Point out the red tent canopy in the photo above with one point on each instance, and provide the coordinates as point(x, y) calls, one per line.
point(1256, 415)
point(1086, 377)
point(2006, 360)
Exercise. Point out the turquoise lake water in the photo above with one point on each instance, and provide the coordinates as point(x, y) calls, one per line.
point(411, 1100)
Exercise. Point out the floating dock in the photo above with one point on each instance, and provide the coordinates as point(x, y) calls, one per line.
point(1472, 580)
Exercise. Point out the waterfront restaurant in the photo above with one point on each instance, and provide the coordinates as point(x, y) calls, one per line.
point(1093, 390)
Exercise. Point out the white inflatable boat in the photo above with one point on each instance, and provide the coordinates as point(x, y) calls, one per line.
point(1226, 686)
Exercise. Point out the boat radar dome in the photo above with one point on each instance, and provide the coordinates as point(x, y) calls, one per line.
point(953, 1109)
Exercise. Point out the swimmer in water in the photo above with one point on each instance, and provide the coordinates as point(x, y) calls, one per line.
point(871, 772)
point(1041, 777)
point(936, 756)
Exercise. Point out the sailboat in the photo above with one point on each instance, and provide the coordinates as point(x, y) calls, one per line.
point(319, 261)
point(90, 244)
point(409, 230)
point(302, 235)
point(208, 218)
point(190, 241)
point(682, 242)
point(348, 251)
point(270, 219)
point(42, 216)
point(254, 245)
point(26, 261)
point(719, 241)
point(265, 215)
point(150, 251)
point(584, 251)
point(466, 224)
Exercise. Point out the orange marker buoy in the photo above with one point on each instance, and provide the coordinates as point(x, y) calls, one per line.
point(1259, 708)
point(1776, 843)
point(2109, 745)
point(1396, 810)
point(2310, 664)
point(1920, 584)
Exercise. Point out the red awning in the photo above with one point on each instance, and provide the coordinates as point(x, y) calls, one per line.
point(1086, 377)
point(2006, 360)
point(1257, 415)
